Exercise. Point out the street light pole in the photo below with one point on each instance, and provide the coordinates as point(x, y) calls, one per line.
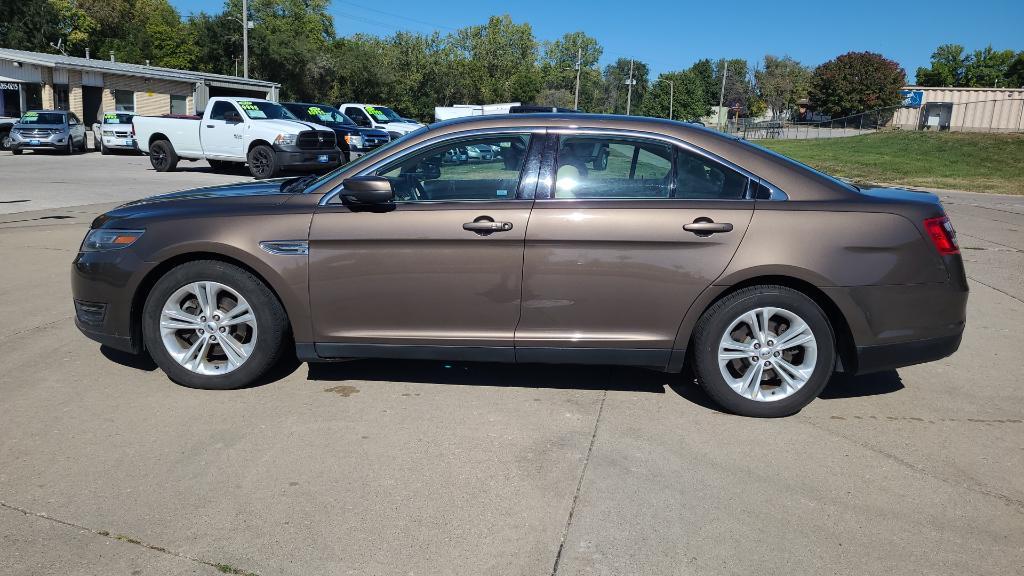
point(579, 68)
point(630, 82)
point(245, 38)
point(721, 95)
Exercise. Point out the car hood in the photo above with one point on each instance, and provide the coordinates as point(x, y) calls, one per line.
point(290, 126)
point(403, 127)
point(20, 126)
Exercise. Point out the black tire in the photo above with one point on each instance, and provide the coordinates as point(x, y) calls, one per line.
point(5, 140)
point(103, 149)
point(271, 339)
point(162, 156)
point(716, 320)
point(70, 149)
point(263, 162)
point(84, 148)
point(16, 152)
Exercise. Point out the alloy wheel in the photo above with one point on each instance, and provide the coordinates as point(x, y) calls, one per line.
point(261, 162)
point(767, 354)
point(208, 328)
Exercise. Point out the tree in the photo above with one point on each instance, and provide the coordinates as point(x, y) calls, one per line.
point(29, 25)
point(616, 91)
point(737, 83)
point(558, 67)
point(947, 67)
point(1015, 72)
point(689, 101)
point(856, 82)
point(704, 71)
point(503, 59)
point(781, 83)
point(987, 67)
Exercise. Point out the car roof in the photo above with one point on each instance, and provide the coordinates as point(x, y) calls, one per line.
point(49, 111)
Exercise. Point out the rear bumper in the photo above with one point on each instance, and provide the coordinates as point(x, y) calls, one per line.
point(890, 356)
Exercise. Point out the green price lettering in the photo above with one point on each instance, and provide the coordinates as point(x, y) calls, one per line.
point(314, 111)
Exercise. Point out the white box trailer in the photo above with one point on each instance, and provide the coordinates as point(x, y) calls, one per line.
point(463, 110)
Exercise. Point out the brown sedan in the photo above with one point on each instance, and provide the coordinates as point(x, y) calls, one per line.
point(559, 239)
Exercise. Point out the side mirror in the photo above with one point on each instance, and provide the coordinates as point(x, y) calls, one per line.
point(368, 191)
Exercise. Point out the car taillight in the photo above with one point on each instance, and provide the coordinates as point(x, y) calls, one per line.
point(941, 232)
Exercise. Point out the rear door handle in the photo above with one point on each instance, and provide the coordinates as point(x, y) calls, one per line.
point(487, 226)
point(707, 227)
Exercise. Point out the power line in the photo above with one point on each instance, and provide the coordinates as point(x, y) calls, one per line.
point(393, 15)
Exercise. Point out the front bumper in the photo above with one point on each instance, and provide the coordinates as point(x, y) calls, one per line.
point(51, 143)
point(295, 159)
point(114, 142)
point(103, 288)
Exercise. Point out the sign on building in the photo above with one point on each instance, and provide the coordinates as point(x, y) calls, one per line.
point(912, 98)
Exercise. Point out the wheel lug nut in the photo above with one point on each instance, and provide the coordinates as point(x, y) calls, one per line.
point(757, 345)
point(223, 329)
point(216, 318)
point(753, 358)
point(770, 343)
point(213, 338)
point(202, 318)
point(776, 354)
point(767, 363)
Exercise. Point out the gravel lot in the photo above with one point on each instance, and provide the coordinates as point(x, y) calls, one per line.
point(388, 467)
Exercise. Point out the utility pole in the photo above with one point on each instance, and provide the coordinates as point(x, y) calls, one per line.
point(630, 82)
point(579, 68)
point(671, 98)
point(245, 38)
point(721, 95)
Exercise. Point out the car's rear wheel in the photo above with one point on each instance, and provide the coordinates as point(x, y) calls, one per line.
point(162, 156)
point(764, 351)
point(212, 325)
point(263, 162)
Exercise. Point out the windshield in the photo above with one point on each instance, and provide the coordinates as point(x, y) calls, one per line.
point(364, 160)
point(383, 114)
point(42, 118)
point(262, 110)
point(117, 118)
point(328, 115)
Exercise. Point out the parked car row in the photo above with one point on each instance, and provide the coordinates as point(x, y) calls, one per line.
point(266, 136)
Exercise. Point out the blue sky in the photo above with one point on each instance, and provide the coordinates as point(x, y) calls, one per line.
point(671, 35)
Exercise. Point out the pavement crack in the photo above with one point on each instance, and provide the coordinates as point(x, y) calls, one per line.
point(34, 328)
point(1001, 291)
point(976, 488)
point(126, 539)
point(579, 486)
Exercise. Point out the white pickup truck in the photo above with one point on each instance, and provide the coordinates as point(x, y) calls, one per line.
point(260, 133)
point(379, 117)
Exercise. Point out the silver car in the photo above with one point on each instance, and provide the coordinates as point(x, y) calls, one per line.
point(48, 130)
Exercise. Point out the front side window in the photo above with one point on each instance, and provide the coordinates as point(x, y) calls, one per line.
point(124, 101)
point(446, 171)
point(221, 109)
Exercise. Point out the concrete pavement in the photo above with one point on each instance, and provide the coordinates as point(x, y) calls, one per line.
point(388, 467)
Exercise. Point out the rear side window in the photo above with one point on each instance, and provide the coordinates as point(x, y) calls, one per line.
point(601, 167)
point(698, 178)
point(612, 168)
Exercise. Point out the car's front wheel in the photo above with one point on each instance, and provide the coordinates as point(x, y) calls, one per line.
point(764, 351)
point(212, 325)
point(263, 162)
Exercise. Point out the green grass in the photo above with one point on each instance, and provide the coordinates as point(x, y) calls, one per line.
point(954, 161)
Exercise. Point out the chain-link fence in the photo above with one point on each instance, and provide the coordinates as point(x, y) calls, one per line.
point(1006, 115)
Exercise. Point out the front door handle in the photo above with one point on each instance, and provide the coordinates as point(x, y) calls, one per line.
point(210, 126)
point(487, 226)
point(707, 227)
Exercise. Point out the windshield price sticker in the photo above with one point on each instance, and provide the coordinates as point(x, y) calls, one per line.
point(376, 113)
point(31, 114)
point(251, 110)
point(315, 111)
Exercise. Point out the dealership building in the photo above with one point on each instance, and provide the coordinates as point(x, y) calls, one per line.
point(89, 86)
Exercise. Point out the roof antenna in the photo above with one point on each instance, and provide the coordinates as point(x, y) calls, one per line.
point(59, 46)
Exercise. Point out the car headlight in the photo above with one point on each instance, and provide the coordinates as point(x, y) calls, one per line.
point(354, 141)
point(107, 239)
point(285, 139)
point(108, 132)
